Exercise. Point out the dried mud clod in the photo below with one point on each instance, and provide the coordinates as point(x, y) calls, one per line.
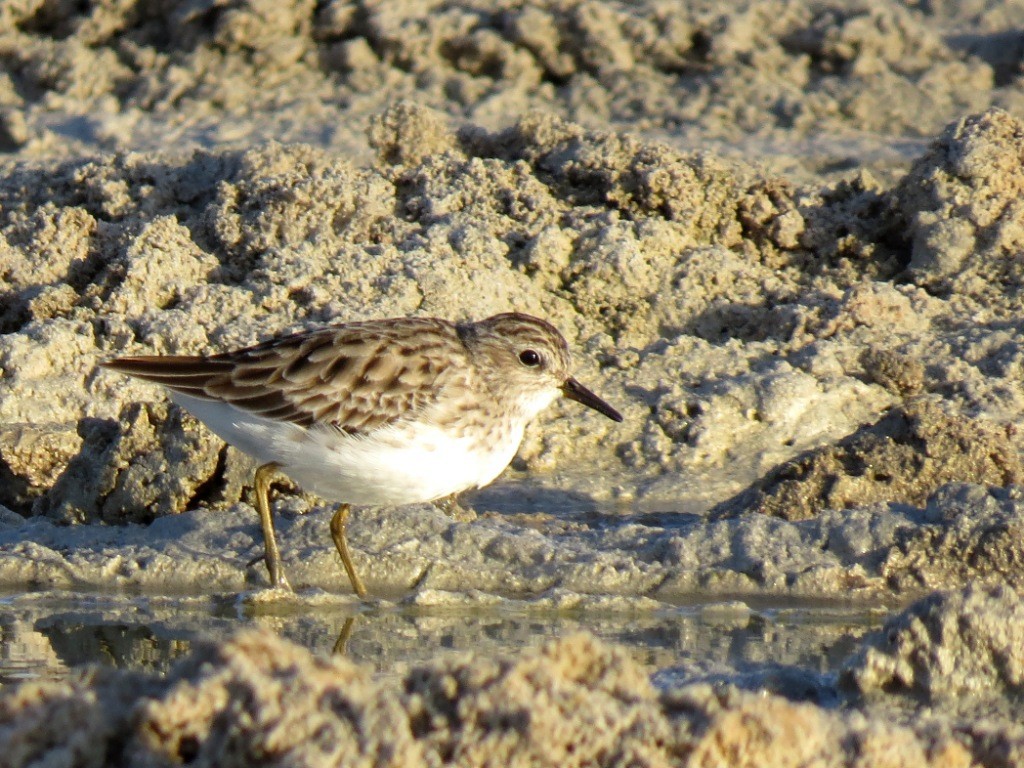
point(79, 722)
point(755, 68)
point(158, 461)
point(946, 647)
point(32, 457)
point(916, 448)
point(963, 208)
point(970, 534)
point(257, 699)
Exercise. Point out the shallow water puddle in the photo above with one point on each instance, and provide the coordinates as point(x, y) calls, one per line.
point(46, 634)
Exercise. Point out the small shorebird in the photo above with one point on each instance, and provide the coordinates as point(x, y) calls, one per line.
point(383, 412)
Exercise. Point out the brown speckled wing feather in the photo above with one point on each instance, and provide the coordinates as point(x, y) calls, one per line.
point(357, 377)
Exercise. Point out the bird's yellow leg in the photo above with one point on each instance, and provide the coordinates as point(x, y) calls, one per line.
point(341, 644)
point(264, 476)
point(338, 534)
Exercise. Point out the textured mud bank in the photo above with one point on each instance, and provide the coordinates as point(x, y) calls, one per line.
point(844, 345)
point(576, 701)
point(784, 239)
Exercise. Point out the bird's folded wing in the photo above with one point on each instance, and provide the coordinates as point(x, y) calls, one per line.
point(352, 380)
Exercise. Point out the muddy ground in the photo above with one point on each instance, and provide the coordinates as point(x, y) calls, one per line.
point(784, 239)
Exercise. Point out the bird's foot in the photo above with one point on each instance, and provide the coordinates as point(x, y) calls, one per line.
point(451, 507)
point(277, 578)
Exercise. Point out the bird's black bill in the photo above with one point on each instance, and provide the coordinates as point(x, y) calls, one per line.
point(576, 391)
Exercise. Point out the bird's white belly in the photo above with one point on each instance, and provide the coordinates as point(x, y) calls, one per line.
point(414, 463)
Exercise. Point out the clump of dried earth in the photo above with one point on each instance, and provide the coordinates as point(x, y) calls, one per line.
point(571, 702)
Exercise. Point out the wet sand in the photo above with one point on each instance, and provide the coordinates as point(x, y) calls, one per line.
point(784, 240)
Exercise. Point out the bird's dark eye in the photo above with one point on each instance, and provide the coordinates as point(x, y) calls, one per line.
point(529, 357)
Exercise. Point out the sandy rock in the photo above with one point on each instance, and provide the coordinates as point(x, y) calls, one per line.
point(571, 702)
point(163, 263)
point(119, 76)
point(971, 535)
point(407, 134)
point(947, 647)
point(44, 370)
point(965, 534)
point(848, 228)
point(598, 707)
point(961, 203)
point(257, 698)
point(737, 367)
point(729, 727)
point(32, 456)
point(910, 453)
point(124, 474)
point(71, 722)
point(273, 237)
